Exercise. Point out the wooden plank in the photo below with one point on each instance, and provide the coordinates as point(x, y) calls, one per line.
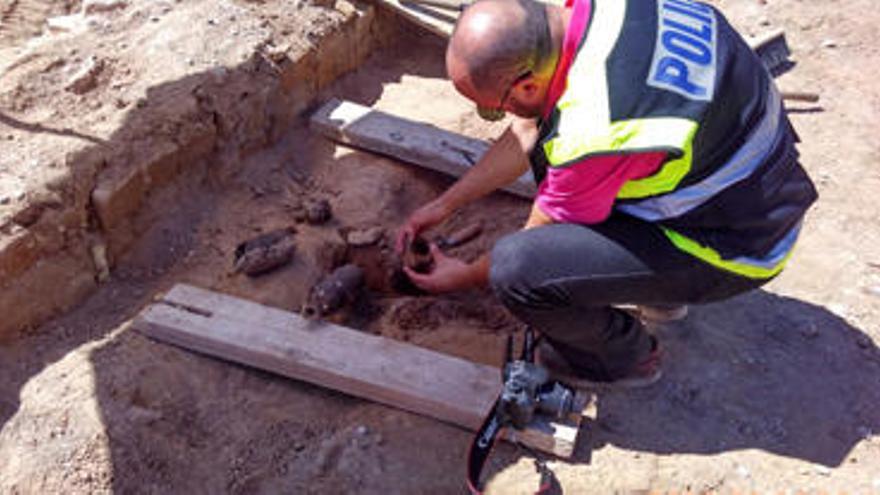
point(368, 366)
point(413, 142)
point(436, 21)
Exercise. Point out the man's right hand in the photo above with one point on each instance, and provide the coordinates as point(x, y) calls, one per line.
point(420, 220)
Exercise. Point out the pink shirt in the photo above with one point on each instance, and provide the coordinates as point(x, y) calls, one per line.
point(584, 192)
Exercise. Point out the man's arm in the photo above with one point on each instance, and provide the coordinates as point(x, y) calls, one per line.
point(505, 161)
point(537, 217)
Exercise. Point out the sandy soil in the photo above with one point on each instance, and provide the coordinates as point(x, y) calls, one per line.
point(775, 391)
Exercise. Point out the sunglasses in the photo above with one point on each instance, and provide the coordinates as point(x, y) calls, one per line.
point(497, 113)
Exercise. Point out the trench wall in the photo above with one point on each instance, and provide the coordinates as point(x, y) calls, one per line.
point(78, 226)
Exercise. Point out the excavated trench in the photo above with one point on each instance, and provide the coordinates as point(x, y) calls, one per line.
point(225, 156)
point(75, 203)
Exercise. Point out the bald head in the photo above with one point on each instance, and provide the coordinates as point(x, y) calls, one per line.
point(496, 41)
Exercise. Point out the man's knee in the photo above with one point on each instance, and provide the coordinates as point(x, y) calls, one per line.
point(515, 266)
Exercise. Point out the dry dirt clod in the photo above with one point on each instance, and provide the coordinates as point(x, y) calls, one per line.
point(99, 258)
point(96, 6)
point(86, 79)
point(365, 237)
point(266, 252)
point(317, 211)
point(29, 215)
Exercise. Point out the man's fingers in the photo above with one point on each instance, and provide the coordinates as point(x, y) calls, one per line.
point(403, 237)
point(437, 253)
point(420, 279)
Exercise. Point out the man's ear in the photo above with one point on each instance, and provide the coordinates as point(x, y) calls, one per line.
point(527, 88)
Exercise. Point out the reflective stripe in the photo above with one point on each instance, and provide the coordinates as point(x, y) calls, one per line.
point(751, 155)
point(672, 134)
point(765, 267)
point(657, 133)
point(584, 107)
point(585, 126)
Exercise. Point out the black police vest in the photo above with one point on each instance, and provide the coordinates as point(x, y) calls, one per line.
point(673, 76)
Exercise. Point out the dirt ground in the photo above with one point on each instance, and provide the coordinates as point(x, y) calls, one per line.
point(777, 391)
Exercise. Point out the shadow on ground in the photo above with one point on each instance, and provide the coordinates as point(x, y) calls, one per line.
point(760, 371)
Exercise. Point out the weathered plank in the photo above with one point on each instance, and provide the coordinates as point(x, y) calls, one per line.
point(368, 366)
point(413, 142)
point(437, 21)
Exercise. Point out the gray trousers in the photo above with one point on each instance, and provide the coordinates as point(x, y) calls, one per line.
point(562, 280)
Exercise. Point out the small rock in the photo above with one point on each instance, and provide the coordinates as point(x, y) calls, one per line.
point(5, 200)
point(743, 471)
point(864, 341)
point(143, 415)
point(66, 23)
point(362, 431)
point(764, 21)
point(212, 22)
point(332, 254)
point(29, 215)
point(873, 290)
point(829, 44)
point(87, 78)
point(823, 471)
point(154, 19)
point(99, 259)
point(95, 6)
point(365, 237)
point(317, 211)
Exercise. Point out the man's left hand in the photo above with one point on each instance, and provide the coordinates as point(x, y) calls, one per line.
point(449, 274)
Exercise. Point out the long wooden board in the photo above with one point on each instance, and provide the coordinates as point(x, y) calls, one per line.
point(413, 142)
point(368, 366)
point(437, 21)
